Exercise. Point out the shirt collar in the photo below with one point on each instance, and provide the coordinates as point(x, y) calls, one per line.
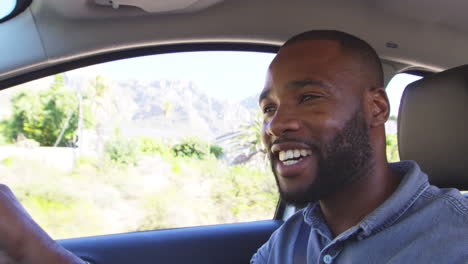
point(414, 182)
point(412, 185)
point(313, 216)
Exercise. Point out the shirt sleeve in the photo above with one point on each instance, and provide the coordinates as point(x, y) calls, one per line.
point(261, 256)
point(279, 246)
point(263, 253)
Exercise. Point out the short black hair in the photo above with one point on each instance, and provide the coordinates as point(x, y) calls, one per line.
point(349, 44)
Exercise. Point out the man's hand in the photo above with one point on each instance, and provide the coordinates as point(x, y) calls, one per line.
point(23, 240)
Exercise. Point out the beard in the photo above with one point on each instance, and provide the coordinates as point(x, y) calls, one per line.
point(345, 159)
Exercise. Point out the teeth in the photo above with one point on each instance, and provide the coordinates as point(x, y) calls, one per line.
point(297, 153)
point(291, 162)
point(293, 153)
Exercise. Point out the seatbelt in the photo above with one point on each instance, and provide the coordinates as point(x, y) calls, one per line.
point(300, 246)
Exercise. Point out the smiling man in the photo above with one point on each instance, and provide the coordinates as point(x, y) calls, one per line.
point(324, 111)
point(324, 115)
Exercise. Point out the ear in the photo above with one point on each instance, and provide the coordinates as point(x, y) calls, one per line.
point(379, 107)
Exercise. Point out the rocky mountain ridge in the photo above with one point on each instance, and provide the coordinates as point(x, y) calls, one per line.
point(176, 108)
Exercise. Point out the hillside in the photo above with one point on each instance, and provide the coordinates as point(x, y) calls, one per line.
point(174, 108)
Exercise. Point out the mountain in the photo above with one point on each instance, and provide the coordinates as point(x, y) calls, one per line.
point(175, 108)
point(251, 102)
point(161, 108)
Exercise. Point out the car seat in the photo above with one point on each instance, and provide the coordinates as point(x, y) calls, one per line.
point(433, 127)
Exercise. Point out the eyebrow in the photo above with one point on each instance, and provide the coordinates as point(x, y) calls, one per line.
point(307, 82)
point(295, 85)
point(264, 94)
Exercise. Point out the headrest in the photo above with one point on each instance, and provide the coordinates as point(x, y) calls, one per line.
point(433, 127)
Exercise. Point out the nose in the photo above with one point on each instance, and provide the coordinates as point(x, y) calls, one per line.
point(282, 122)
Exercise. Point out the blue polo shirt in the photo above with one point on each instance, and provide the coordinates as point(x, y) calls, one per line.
point(418, 223)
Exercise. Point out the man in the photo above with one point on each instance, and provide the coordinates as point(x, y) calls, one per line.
point(324, 113)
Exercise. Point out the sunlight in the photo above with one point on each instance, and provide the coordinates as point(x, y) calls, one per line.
point(6, 7)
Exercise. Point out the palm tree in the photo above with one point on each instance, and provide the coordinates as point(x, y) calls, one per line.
point(103, 106)
point(246, 142)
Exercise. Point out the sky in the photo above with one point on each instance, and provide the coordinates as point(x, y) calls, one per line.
point(223, 75)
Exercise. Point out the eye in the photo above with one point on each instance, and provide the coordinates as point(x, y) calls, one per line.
point(308, 97)
point(269, 108)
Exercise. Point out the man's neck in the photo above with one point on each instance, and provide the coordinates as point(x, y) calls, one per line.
point(349, 206)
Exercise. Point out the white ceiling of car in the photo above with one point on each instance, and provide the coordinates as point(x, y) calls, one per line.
point(429, 34)
point(153, 7)
point(102, 9)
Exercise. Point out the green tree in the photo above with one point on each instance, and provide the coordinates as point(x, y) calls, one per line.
point(217, 151)
point(152, 146)
point(121, 150)
point(191, 147)
point(392, 148)
point(44, 115)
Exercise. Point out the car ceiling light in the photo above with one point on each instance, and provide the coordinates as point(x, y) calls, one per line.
point(7, 7)
point(151, 6)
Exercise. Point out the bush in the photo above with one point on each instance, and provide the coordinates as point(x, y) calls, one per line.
point(122, 150)
point(392, 148)
point(157, 210)
point(8, 160)
point(192, 148)
point(217, 151)
point(249, 193)
point(151, 146)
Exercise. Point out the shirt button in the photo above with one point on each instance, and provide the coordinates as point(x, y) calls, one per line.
point(327, 259)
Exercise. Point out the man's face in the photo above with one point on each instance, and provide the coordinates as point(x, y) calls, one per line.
point(314, 127)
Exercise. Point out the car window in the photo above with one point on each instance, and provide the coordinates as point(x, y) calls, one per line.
point(395, 89)
point(152, 142)
point(11, 8)
point(6, 8)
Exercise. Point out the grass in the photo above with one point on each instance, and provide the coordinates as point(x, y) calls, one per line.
point(101, 197)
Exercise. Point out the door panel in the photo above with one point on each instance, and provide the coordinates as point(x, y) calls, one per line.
point(227, 243)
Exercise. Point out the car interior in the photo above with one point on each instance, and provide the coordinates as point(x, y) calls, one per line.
point(44, 37)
